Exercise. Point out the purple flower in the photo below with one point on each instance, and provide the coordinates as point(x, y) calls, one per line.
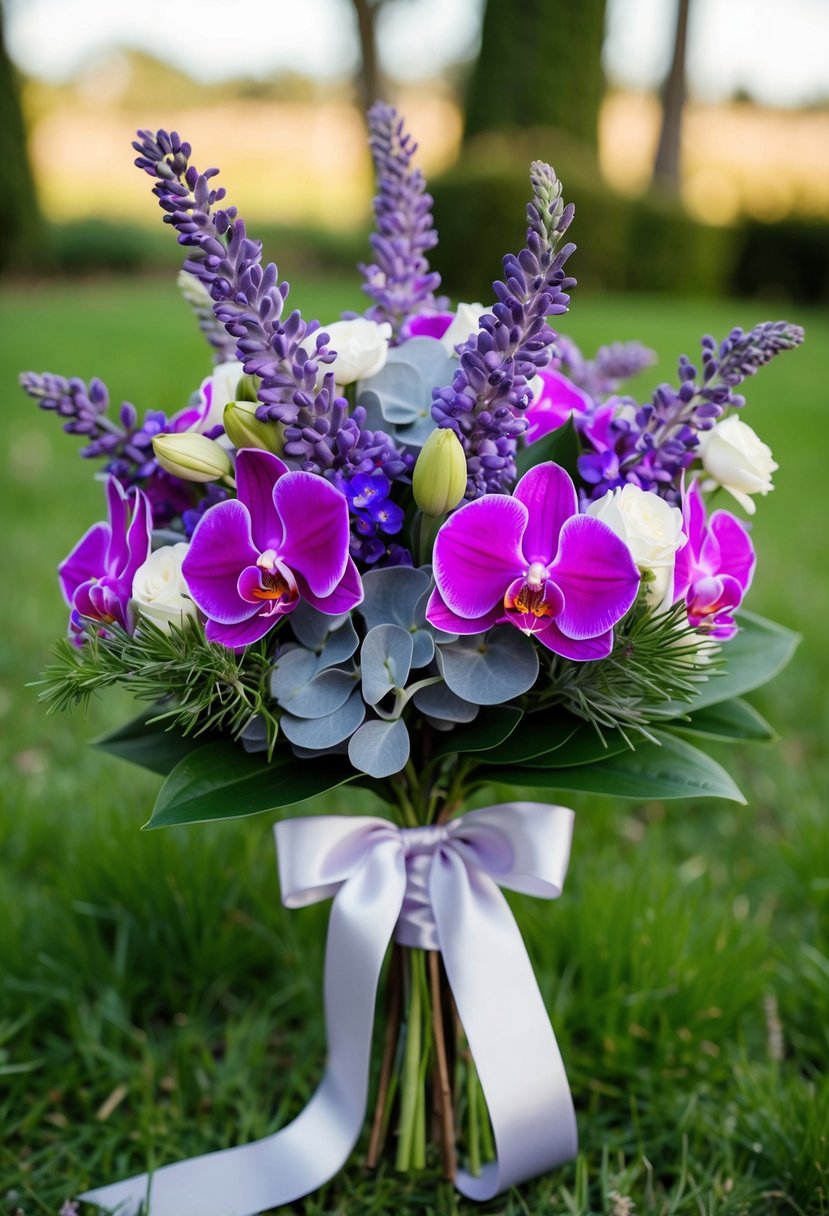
point(96, 578)
point(533, 561)
point(714, 570)
point(429, 325)
point(284, 538)
point(558, 399)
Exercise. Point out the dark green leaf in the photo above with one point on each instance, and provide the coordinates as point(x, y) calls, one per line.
point(670, 769)
point(560, 446)
point(728, 720)
point(150, 746)
point(221, 781)
point(555, 740)
point(753, 657)
point(493, 724)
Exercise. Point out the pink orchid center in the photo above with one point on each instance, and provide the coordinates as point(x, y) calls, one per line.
point(532, 601)
point(275, 581)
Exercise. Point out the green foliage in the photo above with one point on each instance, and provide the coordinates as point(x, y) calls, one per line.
point(539, 64)
point(23, 243)
point(211, 688)
point(788, 258)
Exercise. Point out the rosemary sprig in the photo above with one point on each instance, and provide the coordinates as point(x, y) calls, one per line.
point(209, 687)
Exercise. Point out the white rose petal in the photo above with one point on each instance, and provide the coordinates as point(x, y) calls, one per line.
point(223, 383)
point(738, 460)
point(362, 348)
point(159, 590)
point(464, 323)
point(652, 531)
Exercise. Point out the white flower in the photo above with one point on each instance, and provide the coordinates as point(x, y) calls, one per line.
point(739, 461)
point(219, 388)
point(159, 591)
point(362, 347)
point(463, 324)
point(652, 531)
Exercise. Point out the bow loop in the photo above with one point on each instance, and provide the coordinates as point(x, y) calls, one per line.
point(317, 855)
point(523, 846)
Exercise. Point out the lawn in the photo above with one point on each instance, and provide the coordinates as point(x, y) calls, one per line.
point(156, 1001)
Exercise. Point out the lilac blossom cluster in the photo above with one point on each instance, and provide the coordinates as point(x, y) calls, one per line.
point(126, 445)
point(489, 393)
point(608, 369)
point(650, 446)
point(399, 280)
point(285, 354)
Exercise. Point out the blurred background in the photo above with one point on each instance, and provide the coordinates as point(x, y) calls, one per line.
point(693, 135)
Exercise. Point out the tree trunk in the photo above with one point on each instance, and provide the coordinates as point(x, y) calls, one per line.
point(667, 165)
point(22, 236)
point(540, 65)
point(368, 80)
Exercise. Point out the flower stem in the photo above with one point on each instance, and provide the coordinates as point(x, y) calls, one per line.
point(411, 1067)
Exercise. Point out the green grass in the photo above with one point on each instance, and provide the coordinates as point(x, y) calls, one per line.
point(686, 968)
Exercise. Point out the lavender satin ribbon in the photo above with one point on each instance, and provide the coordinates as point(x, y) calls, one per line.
point(432, 887)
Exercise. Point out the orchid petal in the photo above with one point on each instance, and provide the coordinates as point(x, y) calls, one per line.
point(443, 618)
point(256, 587)
point(136, 547)
point(315, 517)
point(242, 633)
point(220, 550)
point(583, 650)
point(86, 561)
point(597, 575)
point(118, 509)
point(256, 475)
point(530, 611)
point(736, 552)
point(347, 594)
point(550, 498)
point(694, 518)
point(477, 554)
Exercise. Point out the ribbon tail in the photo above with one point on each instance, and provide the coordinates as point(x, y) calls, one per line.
point(507, 1027)
point(301, 1157)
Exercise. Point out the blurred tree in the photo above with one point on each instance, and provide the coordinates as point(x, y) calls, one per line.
point(368, 79)
point(666, 166)
point(22, 233)
point(540, 65)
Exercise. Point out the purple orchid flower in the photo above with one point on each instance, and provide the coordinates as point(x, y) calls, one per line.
point(252, 558)
point(714, 570)
point(533, 561)
point(429, 324)
point(557, 400)
point(96, 578)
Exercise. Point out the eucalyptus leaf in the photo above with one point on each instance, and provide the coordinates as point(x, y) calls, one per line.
point(325, 732)
point(312, 627)
point(385, 661)
point(400, 388)
point(323, 694)
point(438, 701)
point(489, 668)
point(221, 781)
point(380, 748)
point(394, 596)
point(292, 671)
point(149, 745)
point(423, 648)
point(728, 720)
point(670, 768)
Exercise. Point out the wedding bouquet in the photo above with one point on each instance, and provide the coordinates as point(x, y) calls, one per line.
point(425, 550)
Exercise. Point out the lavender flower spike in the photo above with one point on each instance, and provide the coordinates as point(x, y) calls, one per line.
point(490, 392)
point(400, 281)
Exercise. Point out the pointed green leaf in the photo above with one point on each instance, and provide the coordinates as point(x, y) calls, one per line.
point(728, 720)
point(149, 745)
point(555, 740)
point(753, 657)
point(670, 769)
point(221, 781)
point(560, 446)
point(493, 724)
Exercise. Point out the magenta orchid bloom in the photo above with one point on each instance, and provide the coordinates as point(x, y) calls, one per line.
point(252, 558)
point(96, 578)
point(429, 325)
point(714, 570)
point(533, 561)
point(558, 399)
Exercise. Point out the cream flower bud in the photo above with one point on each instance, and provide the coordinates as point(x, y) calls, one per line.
point(652, 531)
point(362, 348)
point(439, 478)
point(463, 324)
point(245, 430)
point(738, 460)
point(191, 457)
point(159, 590)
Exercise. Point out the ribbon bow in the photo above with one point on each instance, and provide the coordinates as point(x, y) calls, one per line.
point(433, 887)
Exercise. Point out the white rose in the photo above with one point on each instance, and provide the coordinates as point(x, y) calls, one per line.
point(652, 531)
point(159, 591)
point(220, 387)
point(464, 323)
point(736, 459)
point(362, 347)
